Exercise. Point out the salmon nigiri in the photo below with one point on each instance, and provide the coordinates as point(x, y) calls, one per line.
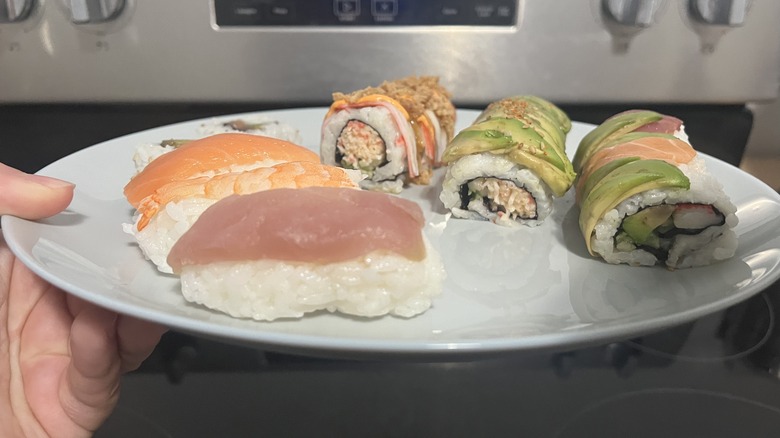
point(283, 253)
point(221, 153)
point(171, 210)
point(282, 175)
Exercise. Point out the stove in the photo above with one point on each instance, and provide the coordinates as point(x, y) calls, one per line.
point(78, 72)
point(714, 377)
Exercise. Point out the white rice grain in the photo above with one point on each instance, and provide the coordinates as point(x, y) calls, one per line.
point(374, 285)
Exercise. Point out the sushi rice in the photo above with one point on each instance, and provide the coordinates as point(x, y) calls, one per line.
point(258, 125)
point(376, 284)
point(487, 165)
point(165, 228)
point(145, 153)
point(713, 244)
point(389, 175)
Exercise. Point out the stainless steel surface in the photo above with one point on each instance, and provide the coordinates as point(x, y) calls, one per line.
point(172, 51)
point(14, 10)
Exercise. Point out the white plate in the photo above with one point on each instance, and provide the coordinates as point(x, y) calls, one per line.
point(506, 290)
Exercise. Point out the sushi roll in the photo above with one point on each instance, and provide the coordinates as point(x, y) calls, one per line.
point(624, 123)
point(393, 133)
point(165, 211)
point(319, 248)
point(256, 125)
point(647, 198)
point(509, 165)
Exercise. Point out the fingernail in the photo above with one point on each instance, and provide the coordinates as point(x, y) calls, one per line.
point(50, 182)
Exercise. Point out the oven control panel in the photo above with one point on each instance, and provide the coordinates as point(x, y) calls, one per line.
point(298, 52)
point(365, 12)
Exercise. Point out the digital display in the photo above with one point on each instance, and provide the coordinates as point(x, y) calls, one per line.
point(365, 12)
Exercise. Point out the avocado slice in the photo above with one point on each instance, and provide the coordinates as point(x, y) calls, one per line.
point(547, 119)
point(612, 128)
point(623, 182)
point(521, 144)
point(599, 174)
point(564, 123)
point(525, 138)
point(471, 141)
point(641, 225)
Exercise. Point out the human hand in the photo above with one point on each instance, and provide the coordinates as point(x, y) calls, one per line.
point(61, 358)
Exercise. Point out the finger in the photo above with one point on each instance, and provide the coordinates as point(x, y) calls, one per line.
point(32, 196)
point(93, 376)
point(137, 339)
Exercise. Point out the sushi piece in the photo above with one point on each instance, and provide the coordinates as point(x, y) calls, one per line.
point(393, 133)
point(287, 252)
point(625, 123)
point(146, 153)
point(221, 153)
point(173, 189)
point(170, 211)
point(647, 198)
point(509, 165)
point(253, 124)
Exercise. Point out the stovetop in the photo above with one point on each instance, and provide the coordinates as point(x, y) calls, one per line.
point(716, 377)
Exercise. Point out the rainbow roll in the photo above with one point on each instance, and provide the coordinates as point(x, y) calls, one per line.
point(646, 196)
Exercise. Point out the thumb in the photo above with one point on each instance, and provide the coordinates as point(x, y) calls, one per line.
point(32, 196)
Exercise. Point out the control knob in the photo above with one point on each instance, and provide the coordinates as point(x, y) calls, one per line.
point(711, 19)
point(626, 18)
point(94, 11)
point(729, 13)
point(12, 11)
point(632, 13)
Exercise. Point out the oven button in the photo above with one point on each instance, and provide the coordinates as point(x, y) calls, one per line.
point(346, 10)
point(384, 10)
point(94, 11)
point(280, 12)
point(12, 11)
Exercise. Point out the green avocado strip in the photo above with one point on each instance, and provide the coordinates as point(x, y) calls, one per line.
point(527, 130)
point(623, 182)
point(564, 123)
point(473, 141)
point(612, 129)
point(599, 174)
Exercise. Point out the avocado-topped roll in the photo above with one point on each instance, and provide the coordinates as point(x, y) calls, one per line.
point(394, 133)
point(646, 197)
point(627, 122)
point(509, 164)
